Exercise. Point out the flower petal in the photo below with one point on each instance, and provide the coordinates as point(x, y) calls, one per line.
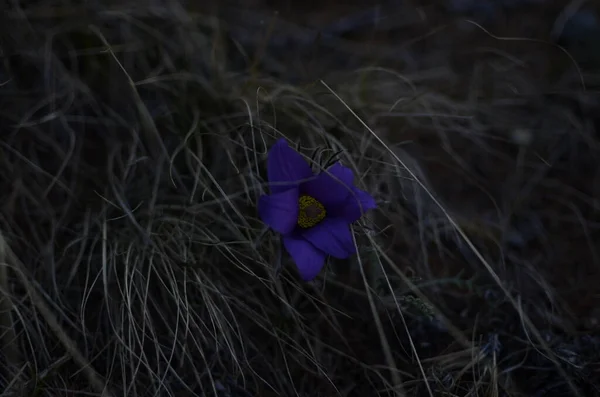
point(331, 236)
point(330, 187)
point(286, 165)
point(280, 210)
point(308, 258)
point(355, 206)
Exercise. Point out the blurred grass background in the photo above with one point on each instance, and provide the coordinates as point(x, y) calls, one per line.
point(132, 152)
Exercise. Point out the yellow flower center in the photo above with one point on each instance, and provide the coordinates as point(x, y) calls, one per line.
point(311, 212)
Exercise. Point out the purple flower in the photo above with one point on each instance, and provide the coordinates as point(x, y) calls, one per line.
point(312, 212)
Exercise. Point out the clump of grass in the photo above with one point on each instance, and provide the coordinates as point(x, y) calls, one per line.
point(133, 261)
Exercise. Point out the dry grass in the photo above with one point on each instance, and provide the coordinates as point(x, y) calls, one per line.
point(132, 154)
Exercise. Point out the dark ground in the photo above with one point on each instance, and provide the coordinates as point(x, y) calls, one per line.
point(132, 150)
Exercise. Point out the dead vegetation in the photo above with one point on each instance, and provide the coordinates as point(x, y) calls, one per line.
point(134, 139)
